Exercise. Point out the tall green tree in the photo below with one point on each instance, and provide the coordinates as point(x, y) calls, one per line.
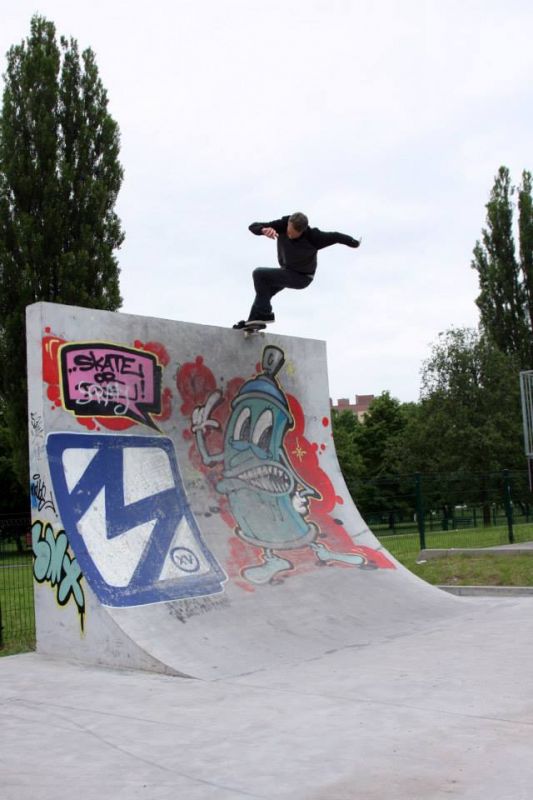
point(378, 442)
point(59, 180)
point(505, 300)
point(470, 418)
point(370, 453)
point(381, 425)
point(468, 422)
point(525, 232)
point(345, 426)
point(13, 495)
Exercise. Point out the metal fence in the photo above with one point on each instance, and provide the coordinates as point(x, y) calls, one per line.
point(17, 614)
point(413, 512)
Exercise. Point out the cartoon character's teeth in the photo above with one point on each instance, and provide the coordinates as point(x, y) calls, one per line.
point(268, 478)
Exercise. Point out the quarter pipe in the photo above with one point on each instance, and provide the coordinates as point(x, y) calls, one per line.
point(189, 513)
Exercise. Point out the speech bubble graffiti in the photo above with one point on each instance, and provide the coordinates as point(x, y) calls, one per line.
point(104, 380)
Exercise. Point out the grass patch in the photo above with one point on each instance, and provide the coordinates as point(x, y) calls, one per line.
point(17, 614)
point(18, 645)
point(486, 570)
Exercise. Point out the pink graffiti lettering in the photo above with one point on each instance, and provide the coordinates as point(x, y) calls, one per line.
point(110, 380)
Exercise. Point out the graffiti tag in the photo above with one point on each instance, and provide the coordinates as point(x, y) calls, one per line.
point(39, 494)
point(185, 559)
point(106, 380)
point(54, 565)
point(36, 423)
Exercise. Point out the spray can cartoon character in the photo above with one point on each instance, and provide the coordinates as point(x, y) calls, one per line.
point(268, 499)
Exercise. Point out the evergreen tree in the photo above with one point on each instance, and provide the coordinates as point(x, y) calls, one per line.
point(525, 229)
point(505, 299)
point(59, 181)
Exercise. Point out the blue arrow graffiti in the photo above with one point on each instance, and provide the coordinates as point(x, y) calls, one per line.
point(164, 509)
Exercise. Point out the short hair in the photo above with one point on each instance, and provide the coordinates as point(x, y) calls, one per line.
point(299, 221)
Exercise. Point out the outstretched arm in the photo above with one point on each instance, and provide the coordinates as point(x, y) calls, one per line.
point(324, 239)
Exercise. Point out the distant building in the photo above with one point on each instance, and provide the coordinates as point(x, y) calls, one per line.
point(360, 407)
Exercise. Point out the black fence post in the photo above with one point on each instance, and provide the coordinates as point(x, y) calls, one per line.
point(420, 511)
point(508, 503)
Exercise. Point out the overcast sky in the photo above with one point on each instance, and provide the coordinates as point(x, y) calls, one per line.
point(379, 118)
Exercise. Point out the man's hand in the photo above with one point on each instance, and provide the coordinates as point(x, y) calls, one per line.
point(270, 232)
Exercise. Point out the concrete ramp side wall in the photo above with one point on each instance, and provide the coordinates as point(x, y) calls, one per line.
point(71, 623)
point(189, 514)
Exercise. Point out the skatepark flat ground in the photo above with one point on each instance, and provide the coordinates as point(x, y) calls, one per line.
point(442, 712)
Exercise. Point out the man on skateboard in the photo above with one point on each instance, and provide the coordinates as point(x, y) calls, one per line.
point(297, 246)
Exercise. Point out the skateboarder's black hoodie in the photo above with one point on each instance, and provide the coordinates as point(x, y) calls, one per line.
point(299, 254)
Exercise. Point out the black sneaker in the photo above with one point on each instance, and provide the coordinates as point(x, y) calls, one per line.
point(240, 325)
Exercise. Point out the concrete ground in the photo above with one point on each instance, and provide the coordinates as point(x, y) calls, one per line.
point(444, 712)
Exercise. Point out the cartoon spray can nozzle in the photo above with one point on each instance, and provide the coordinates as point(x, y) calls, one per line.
point(272, 362)
point(264, 386)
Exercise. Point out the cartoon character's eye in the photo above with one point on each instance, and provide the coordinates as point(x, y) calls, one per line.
point(242, 426)
point(263, 430)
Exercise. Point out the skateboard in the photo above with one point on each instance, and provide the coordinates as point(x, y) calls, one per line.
point(254, 328)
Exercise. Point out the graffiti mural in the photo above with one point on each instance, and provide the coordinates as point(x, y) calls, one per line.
point(53, 564)
point(254, 462)
point(107, 380)
point(107, 385)
point(123, 506)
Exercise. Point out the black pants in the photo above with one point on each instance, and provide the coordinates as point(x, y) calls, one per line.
point(269, 281)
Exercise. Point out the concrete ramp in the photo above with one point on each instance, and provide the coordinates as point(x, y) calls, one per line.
point(189, 514)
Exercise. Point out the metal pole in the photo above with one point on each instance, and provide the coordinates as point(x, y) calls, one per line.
point(420, 511)
point(508, 504)
point(526, 393)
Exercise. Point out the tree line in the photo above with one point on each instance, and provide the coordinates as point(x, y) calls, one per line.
point(60, 176)
point(466, 427)
point(468, 421)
